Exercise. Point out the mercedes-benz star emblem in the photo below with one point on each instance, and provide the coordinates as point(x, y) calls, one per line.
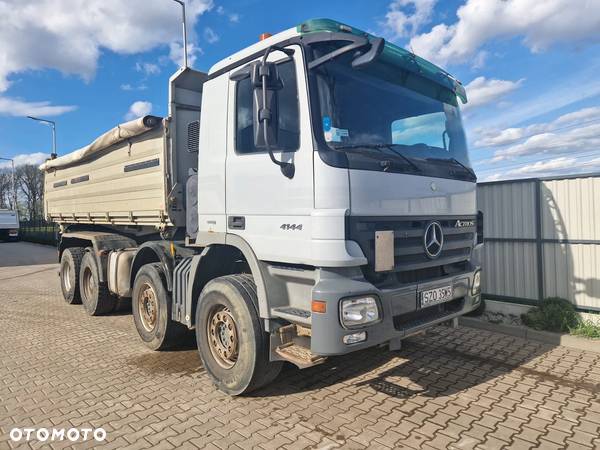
point(433, 240)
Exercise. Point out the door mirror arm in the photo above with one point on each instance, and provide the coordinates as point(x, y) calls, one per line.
point(265, 115)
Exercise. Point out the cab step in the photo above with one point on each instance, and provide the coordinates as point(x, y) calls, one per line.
point(299, 355)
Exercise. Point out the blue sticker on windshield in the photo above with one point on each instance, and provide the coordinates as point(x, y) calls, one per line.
point(326, 123)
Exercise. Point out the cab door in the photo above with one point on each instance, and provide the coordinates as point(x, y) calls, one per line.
point(264, 207)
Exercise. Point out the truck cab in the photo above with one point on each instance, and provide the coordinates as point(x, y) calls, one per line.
point(309, 196)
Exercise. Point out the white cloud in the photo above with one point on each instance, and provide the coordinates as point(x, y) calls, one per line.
point(576, 119)
point(577, 87)
point(233, 17)
point(138, 109)
point(20, 108)
point(555, 166)
point(210, 36)
point(176, 53)
point(130, 87)
point(30, 158)
point(482, 91)
point(68, 35)
point(545, 166)
point(479, 60)
point(147, 68)
point(406, 17)
point(582, 138)
point(539, 23)
point(493, 177)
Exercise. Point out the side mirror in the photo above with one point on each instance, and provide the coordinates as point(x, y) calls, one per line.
point(377, 45)
point(265, 118)
point(265, 82)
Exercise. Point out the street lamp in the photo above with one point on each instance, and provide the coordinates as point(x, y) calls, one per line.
point(14, 183)
point(185, 56)
point(52, 124)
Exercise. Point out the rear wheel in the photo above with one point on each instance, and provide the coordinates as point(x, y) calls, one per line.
point(95, 295)
point(232, 343)
point(151, 307)
point(70, 265)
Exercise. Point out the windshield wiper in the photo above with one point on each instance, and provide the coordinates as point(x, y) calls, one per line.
point(379, 147)
point(457, 163)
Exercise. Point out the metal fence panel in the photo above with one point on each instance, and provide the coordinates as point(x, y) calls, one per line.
point(509, 209)
point(39, 231)
point(509, 269)
point(572, 271)
point(571, 209)
point(542, 239)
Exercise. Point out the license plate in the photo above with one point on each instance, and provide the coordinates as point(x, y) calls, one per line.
point(435, 296)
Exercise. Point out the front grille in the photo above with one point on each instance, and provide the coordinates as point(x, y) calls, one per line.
point(411, 263)
point(426, 315)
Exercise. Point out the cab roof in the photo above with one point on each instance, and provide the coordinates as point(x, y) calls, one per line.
point(401, 57)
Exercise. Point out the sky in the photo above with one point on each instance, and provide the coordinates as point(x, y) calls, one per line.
point(531, 68)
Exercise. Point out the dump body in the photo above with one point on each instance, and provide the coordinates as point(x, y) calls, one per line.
point(124, 184)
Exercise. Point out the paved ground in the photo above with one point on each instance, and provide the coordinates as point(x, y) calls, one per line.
point(448, 389)
point(25, 253)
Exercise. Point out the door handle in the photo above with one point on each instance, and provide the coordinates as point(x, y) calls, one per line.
point(236, 222)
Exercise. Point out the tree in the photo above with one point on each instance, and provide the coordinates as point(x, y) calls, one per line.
point(31, 183)
point(6, 189)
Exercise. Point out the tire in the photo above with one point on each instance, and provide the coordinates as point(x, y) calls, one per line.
point(227, 312)
point(151, 306)
point(95, 295)
point(70, 265)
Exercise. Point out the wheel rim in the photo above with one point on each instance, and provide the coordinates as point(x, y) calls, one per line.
point(148, 307)
point(66, 277)
point(88, 283)
point(222, 336)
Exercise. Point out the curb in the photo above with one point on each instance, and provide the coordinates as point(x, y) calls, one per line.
point(566, 340)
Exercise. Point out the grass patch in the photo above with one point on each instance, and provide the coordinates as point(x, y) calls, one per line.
point(586, 329)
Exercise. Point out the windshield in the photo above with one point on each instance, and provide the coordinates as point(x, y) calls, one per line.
point(384, 119)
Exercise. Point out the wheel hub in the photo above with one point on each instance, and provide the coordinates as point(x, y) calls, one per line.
point(148, 307)
point(89, 284)
point(222, 337)
point(66, 276)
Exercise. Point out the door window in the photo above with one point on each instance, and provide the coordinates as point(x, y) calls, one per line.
point(288, 138)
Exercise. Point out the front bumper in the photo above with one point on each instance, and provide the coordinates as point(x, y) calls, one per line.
point(400, 309)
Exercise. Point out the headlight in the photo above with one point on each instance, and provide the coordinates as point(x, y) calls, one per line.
point(476, 283)
point(359, 311)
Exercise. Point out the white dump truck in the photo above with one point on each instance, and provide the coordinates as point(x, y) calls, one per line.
point(9, 225)
point(309, 196)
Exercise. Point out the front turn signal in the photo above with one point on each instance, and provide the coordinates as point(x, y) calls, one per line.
point(318, 306)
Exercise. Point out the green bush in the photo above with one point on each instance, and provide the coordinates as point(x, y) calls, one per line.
point(553, 314)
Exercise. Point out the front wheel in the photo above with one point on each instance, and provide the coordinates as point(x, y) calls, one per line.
point(232, 343)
